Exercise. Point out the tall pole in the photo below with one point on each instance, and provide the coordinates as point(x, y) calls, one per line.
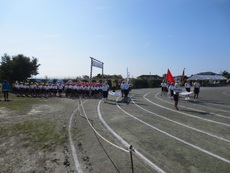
point(127, 78)
point(95, 63)
point(131, 157)
point(90, 78)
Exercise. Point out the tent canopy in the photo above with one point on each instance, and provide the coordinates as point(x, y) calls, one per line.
point(207, 77)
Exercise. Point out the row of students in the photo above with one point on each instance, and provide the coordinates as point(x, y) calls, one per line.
point(167, 89)
point(59, 89)
point(175, 89)
point(34, 89)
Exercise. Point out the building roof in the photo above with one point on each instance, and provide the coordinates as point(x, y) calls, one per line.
point(207, 77)
point(207, 73)
point(149, 76)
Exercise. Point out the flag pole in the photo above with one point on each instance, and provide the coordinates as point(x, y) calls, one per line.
point(182, 77)
point(127, 78)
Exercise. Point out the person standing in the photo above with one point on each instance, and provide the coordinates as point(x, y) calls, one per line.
point(17, 89)
point(114, 85)
point(105, 90)
point(126, 91)
point(171, 87)
point(60, 89)
point(187, 88)
point(163, 88)
point(176, 94)
point(196, 89)
point(6, 89)
point(122, 88)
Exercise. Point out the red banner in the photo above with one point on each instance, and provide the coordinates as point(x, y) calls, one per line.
point(169, 77)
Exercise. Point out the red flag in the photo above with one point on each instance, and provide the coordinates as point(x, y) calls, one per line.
point(169, 77)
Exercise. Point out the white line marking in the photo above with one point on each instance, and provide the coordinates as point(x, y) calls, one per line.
point(176, 122)
point(226, 93)
point(155, 167)
point(120, 148)
point(176, 138)
point(74, 153)
point(197, 109)
point(185, 113)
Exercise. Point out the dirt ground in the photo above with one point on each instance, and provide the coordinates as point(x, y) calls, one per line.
point(19, 156)
point(22, 151)
point(59, 135)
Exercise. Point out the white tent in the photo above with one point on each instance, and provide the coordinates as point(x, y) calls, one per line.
point(207, 77)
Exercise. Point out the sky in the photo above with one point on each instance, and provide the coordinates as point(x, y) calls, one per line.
point(147, 37)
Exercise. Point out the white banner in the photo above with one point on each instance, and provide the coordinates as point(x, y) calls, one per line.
point(97, 64)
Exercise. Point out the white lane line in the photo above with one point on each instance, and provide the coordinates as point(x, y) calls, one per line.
point(176, 138)
point(211, 113)
point(176, 122)
point(216, 122)
point(152, 165)
point(227, 93)
point(220, 105)
point(198, 109)
point(116, 146)
point(74, 153)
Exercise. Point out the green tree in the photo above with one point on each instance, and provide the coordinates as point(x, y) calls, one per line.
point(140, 83)
point(6, 67)
point(18, 67)
point(225, 74)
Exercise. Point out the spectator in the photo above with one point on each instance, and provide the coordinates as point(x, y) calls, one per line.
point(6, 89)
point(105, 90)
point(114, 85)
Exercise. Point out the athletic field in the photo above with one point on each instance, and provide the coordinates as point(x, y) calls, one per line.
point(194, 139)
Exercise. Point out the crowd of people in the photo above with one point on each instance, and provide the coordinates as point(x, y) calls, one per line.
point(173, 89)
point(59, 89)
point(92, 90)
point(68, 89)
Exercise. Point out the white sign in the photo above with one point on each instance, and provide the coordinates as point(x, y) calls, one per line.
point(97, 64)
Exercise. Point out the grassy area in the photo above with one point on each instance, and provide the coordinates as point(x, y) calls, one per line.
point(39, 134)
point(19, 103)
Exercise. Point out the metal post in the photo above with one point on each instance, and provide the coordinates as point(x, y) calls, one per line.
point(90, 78)
point(131, 157)
point(102, 69)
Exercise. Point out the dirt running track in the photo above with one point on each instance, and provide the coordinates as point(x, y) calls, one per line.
point(194, 139)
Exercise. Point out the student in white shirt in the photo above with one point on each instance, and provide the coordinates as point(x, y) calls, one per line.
point(122, 88)
point(171, 87)
point(196, 89)
point(105, 90)
point(187, 88)
point(176, 95)
point(126, 90)
point(163, 87)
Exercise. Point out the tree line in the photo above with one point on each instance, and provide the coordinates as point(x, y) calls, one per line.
point(21, 68)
